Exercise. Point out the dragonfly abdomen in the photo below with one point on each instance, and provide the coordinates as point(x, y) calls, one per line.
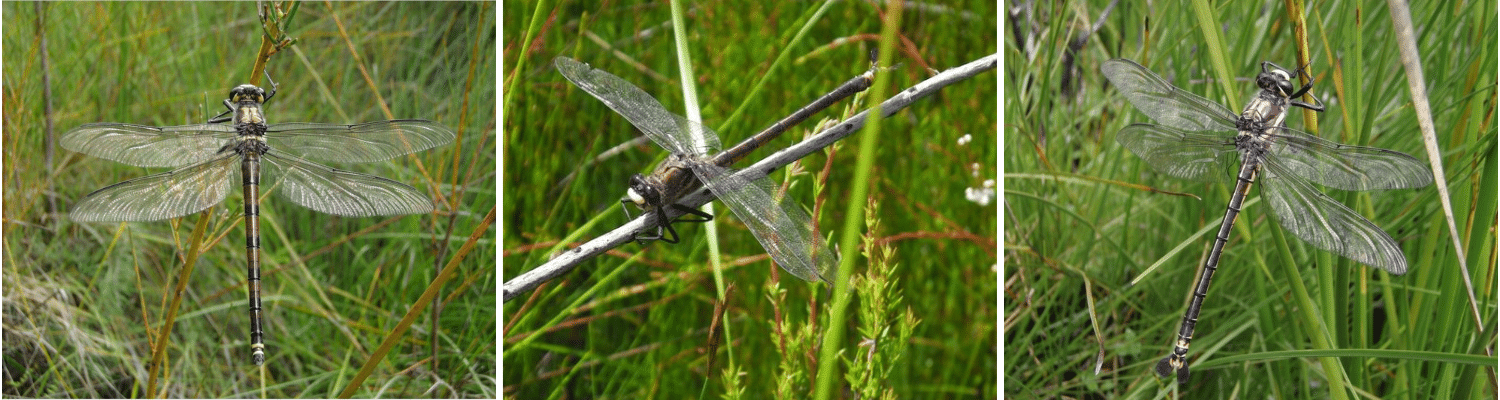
point(250, 171)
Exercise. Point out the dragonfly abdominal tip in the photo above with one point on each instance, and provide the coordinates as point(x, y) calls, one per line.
point(258, 355)
point(1164, 367)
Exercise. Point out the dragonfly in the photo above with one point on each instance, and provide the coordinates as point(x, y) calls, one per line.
point(205, 156)
point(1198, 139)
point(782, 228)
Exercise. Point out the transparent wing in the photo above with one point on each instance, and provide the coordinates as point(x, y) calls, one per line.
point(1164, 103)
point(668, 130)
point(1327, 224)
point(165, 195)
point(367, 142)
point(1186, 155)
point(149, 146)
point(339, 192)
point(782, 228)
point(1345, 167)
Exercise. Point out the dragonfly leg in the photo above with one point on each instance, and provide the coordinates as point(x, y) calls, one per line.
point(1318, 107)
point(625, 207)
point(661, 217)
point(664, 230)
point(663, 223)
point(273, 86)
point(1310, 80)
point(702, 216)
point(223, 116)
point(1302, 91)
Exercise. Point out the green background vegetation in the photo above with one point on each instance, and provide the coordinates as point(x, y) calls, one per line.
point(1081, 229)
point(635, 321)
point(83, 301)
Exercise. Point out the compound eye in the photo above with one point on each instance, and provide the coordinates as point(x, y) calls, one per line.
point(1265, 81)
point(1282, 81)
point(1285, 86)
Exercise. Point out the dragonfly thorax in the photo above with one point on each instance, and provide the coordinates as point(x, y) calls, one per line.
point(249, 120)
point(254, 145)
point(245, 100)
point(1252, 146)
point(1265, 111)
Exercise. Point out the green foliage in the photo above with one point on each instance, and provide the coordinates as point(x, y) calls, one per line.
point(1100, 264)
point(86, 301)
point(884, 331)
point(634, 322)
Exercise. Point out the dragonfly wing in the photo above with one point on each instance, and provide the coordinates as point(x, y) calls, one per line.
point(1164, 103)
point(1182, 154)
point(1345, 167)
point(668, 130)
point(160, 196)
point(338, 192)
point(149, 146)
point(781, 227)
point(1327, 224)
point(367, 142)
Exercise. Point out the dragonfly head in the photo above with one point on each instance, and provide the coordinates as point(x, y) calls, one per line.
point(642, 192)
point(1275, 80)
point(247, 93)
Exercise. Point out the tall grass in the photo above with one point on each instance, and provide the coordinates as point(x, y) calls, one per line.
point(84, 301)
point(1100, 268)
point(636, 322)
